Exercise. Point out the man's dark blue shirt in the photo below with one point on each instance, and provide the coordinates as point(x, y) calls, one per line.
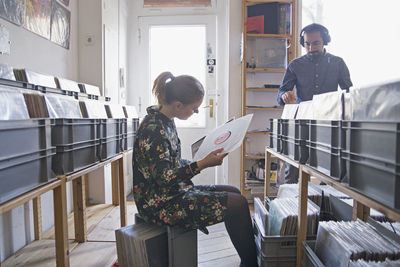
point(314, 75)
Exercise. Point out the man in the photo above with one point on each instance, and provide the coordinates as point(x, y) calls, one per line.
point(315, 73)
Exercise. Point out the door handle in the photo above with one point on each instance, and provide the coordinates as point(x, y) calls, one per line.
point(211, 106)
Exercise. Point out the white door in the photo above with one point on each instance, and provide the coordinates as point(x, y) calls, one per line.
point(181, 45)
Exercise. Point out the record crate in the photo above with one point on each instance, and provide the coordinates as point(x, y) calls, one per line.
point(76, 142)
point(275, 134)
point(372, 160)
point(24, 165)
point(129, 129)
point(110, 138)
point(296, 149)
point(326, 159)
point(295, 129)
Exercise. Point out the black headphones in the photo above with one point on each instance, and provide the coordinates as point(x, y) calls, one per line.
point(315, 27)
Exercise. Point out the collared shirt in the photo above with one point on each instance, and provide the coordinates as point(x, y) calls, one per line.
point(313, 76)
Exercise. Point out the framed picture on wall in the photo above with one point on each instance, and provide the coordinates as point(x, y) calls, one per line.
point(60, 25)
point(13, 11)
point(37, 17)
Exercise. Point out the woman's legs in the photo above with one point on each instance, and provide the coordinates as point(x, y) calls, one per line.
point(240, 228)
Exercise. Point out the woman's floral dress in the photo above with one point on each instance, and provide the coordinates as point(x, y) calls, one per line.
point(162, 186)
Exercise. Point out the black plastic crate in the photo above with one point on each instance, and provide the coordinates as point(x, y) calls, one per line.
point(110, 147)
point(326, 159)
point(127, 141)
point(275, 142)
point(74, 131)
point(377, 179)
point(73, 157)
point(295, 149)
point(19, 137)
point(110, 127)
point(275, 126)
point(326, 133)
point(19, 175)
point(379, 140)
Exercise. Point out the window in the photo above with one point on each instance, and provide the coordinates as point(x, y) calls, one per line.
point(365, 33)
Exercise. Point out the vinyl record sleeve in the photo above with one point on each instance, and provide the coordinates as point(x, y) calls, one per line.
point(228, 136)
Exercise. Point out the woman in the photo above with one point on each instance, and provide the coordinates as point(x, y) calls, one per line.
point(163, 190)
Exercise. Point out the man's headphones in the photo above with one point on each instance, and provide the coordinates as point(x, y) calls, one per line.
point(315, 28)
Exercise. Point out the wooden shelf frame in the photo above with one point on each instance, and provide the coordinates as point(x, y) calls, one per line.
point(79, 198)
point(292, 53)
point(362, 204)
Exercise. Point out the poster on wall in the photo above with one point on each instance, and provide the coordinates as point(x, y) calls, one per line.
point(65, 2)
point(37, 17)
point(13, 11)
point(60, 25)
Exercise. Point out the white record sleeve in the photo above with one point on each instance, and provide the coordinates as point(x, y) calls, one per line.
point(228, 136)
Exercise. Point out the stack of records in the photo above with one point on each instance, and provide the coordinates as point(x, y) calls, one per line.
point(93, 109)
point(37, 78)
point(142, 245)
point(261, 215)
point(36, 105)
point(292, 191)
point(60, 106)
point(67, 85)
point(89, 89)
point(330, 191)
point(6, 72)
point(115, 111)
point(392, 226)
point(130, 111)
point(12, 105)
point(283, 216)
point(386, 263)
point(340, 243)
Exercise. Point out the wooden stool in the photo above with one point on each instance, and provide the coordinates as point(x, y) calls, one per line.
point(144, 244)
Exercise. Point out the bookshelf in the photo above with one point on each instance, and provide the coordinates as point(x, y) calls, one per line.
point(268, 45)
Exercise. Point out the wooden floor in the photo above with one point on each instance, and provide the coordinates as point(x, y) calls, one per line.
point(214, 250)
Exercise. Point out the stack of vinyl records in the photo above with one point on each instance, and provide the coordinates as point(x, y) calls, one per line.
point(386, 263)
point(292, 190)
point(93, 109)
point(29, 76)
point(142, 245)
point(130, 111)
point(283, 216)
point(12, 105)
point(6, 72)
point(115, 111)
point(392, 226)
point(339, 243)
point(330, 191)
point(67, 85)
point(36, 105)
point(89, 89)
point(60, 106)
point(374, 214)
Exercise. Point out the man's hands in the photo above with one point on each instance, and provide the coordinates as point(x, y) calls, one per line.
point(289, 97)
point(215, 158)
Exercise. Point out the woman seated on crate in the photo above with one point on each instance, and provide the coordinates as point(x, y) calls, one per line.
point(163, 190)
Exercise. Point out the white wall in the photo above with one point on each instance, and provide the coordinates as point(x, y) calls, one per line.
point(36, 53)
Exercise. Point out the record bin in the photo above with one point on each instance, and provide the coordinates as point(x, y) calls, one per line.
point(129, 128)
point(110, 138)
point(24, 165)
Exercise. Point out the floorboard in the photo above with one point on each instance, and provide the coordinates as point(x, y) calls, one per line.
point(214, 249)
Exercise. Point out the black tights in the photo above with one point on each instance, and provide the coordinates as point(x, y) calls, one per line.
point(239, 225)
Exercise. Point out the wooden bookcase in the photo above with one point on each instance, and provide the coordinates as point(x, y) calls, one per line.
point(256, 97)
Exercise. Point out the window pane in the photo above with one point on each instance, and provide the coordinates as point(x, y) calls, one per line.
point(180, 50)
point(177, 3)
point(364, 33)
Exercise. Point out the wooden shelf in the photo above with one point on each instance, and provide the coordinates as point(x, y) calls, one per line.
point(277, 70)
point(260, 132)
point(267, 35)
point(261, 89)
point(261, 108)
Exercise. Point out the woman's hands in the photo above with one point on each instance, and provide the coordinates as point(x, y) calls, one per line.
point(215, 158)
point(289, 97)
